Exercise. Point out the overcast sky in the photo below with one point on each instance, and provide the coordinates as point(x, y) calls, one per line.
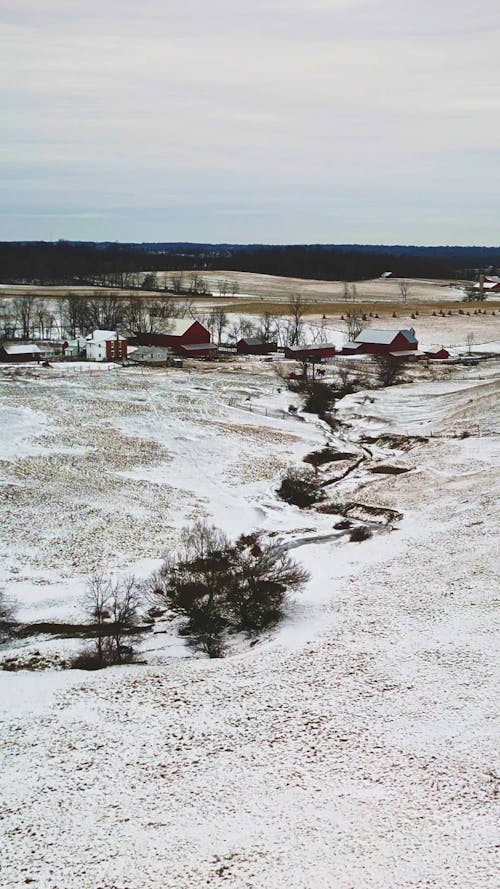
point(283, 121)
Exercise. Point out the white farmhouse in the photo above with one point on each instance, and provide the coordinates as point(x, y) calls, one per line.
point(106, 345)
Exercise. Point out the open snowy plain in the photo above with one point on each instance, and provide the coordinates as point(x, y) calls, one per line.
point(355, 746)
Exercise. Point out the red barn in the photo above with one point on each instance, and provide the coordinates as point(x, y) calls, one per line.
point(255, 346)
point(488, 286)
point(179, 332)
point(19, 352)
point(197, 350)
point(437, 352)
point(383, 342)
point(314, 352)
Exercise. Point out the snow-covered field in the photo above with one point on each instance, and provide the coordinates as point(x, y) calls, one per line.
point(354, 746)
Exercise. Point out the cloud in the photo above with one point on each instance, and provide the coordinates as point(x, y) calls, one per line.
point(372, 106)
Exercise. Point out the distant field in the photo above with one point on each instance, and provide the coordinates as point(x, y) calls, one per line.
point(267, 293)
point(326, 292)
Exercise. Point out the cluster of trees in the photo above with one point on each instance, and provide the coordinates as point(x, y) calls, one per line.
point(220, 587)
point(71, 315)
point(215, 586)
point(472, 293)
point(65, 262)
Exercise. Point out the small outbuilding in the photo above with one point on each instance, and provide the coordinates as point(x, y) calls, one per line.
point(152, 356)
point(351, 348)
point(18, 353)
point(254, 345)
point(315, 352)
point(197, 350)
point(76, 348)
point(437, 353)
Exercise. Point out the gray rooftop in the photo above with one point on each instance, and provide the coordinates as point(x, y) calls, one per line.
point(21, 349)
point(256, 341)
point(198, 347)
point(383, 336)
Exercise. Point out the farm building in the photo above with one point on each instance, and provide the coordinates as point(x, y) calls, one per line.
point(197, 350)
point(178, 332)
point(437, 352)
point(488, 286)
point(254, 345)
point(314, 352)
point(383, 342)
point(352, 348)
point(106, 345)
point(154, 356)
point(20, 352)
point(76, 348)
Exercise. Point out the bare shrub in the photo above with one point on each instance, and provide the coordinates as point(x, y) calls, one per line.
point(88, 659)
point(360, 533)
point(6, 617)
point(300, 487)
point(222, 587)
point(262, 574)
point(388, 369)
point(320, 398)
point(317, 458)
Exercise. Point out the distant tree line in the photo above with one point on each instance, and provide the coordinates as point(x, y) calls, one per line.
point(128, 265)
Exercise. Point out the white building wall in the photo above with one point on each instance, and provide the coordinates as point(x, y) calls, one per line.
point(96, 351)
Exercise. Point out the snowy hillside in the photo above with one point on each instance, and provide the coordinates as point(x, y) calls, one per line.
point(354, 746)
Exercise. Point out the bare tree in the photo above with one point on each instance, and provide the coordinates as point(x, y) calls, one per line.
point(318, 333)
point(267, 326)
point(354, 323)
point(281, 328)
point(113, 607)
point(297, 307)
point(197, 284)
point(24, 308)
point(469, 340)
point(124, 605)
point(404, 287)
point(78, 320)
point(218, 322)
point(96, 601)
point(222, 287)
point(177, 283)
point(40, 309)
